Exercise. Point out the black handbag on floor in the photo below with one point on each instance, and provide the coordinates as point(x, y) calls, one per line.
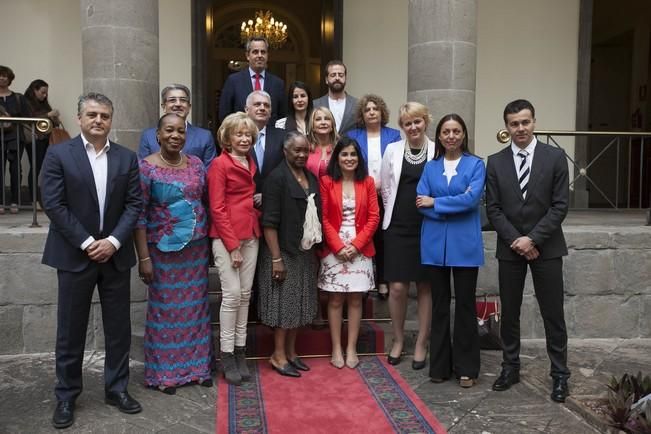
point(488, 322)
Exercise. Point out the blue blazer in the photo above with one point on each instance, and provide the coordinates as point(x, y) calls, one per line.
point(198, 142)
point(451, 230)
point(387, 135)
point(238, 86)
point(69, 198)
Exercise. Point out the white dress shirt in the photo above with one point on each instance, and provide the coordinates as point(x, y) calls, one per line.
point(531, 147)
point(337, 107)
point(252, 74)
point(99, 165)
point(450, 167)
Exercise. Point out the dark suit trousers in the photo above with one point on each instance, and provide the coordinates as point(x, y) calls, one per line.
point(548, 286)
point(460, 356)
point(75, 294)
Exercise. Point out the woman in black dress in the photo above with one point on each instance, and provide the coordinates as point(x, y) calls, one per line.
point(287, 271)
point(402, 164)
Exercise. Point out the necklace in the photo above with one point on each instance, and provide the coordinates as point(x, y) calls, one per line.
point(169, 163)
point(415, 158)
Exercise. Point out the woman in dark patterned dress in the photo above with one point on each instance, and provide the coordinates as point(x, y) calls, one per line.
point(402, 165)
point(287, 273)
point(172, 244)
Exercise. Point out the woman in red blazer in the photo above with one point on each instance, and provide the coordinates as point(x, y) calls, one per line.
point(235, 229)
point(350, 217)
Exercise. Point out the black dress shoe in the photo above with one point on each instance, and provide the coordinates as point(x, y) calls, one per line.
point(417, 365)
point(288, 370)
point(560, 390)
point(123, 401)
point(394, 360)
point(299, 364)
point(506, 380)
point(64, 414)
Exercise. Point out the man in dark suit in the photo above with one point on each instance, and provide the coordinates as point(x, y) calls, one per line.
point(91, 193)
point(527, 199)
point(337, 100)
point(268, 149)
point(199, 142)
point(256, 77)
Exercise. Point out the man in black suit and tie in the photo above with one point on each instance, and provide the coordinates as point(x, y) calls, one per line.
point(527, 196)
point(337, 99)
point(256, 77)
point(268, 149)
point(91, 193)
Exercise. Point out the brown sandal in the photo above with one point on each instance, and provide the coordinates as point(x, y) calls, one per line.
point(467, 382)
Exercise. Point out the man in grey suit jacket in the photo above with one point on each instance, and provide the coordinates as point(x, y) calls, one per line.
point(91, 194)
point(199, 142)
point(337, 100)
point(527, 197)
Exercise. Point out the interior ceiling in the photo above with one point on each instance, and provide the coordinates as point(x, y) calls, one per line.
point(308, 13)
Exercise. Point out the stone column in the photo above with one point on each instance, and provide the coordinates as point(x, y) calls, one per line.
point(119, 40)
point(442, 58)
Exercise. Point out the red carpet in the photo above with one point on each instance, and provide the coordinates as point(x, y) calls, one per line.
point(370, 399)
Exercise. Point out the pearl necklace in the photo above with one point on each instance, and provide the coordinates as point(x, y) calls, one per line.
point(415, 158)
point(169, 163)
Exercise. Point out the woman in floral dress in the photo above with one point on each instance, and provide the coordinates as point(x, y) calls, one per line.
point(350, 217)
point(172, 244)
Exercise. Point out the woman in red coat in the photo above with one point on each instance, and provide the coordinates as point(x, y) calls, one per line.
point(350, 217)
point(234, 229)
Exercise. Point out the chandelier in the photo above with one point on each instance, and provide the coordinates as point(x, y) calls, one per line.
point(265, 25)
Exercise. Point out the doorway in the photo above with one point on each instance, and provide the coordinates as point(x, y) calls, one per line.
point(314, 38)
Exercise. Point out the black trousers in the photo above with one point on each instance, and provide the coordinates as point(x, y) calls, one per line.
point(75, 294)
point(548, 286)
point(461, 354)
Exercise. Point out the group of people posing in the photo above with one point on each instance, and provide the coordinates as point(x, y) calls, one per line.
point(288, 207)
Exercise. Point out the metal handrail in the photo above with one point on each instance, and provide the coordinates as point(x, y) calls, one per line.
point(43, 126)
point(503, 136)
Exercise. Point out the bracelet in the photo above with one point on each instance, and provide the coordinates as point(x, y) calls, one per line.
point(144, 259)
point(276, 260)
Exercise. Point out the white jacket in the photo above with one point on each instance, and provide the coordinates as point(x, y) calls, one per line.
point(390, 175)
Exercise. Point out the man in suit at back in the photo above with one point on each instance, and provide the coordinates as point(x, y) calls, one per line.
point(91, 194)
point(337, 100)
point(527, 197)
point(199, 142)
point(256, 77)
point(268, 149)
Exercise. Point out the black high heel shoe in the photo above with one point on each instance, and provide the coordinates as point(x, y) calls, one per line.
point(394, 360)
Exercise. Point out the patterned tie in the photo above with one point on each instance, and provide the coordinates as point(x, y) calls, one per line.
point(257, 82)
point(523, 172)
point(259, 151)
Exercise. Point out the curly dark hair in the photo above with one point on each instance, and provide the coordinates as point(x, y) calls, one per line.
point(378, 101)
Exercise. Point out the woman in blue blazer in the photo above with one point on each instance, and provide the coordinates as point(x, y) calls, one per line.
point(373, 136)
point(449, 192)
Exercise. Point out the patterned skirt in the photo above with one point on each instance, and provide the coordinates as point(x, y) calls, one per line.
point(178, 339)
point(293, 302)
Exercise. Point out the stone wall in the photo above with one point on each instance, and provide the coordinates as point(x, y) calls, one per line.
point(607, 282)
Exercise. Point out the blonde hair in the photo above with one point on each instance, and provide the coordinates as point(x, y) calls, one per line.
point(311, 136)
point(414, 109)
point(233, 122)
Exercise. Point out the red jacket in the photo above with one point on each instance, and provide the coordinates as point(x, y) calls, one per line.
point(367, 215)
point(230, 198)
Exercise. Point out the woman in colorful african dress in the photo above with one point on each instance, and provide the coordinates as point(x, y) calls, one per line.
point(172, 245)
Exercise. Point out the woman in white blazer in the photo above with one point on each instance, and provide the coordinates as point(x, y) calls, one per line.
point(402, 165)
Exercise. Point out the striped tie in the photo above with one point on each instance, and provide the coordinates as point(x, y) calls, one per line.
point(523, 172)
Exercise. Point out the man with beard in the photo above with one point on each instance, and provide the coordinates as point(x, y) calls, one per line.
point(239, 85)
point(337, 100)
point(199, 142)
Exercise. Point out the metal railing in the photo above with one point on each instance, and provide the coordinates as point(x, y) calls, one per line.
point(10, 130)
point(612, 169)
